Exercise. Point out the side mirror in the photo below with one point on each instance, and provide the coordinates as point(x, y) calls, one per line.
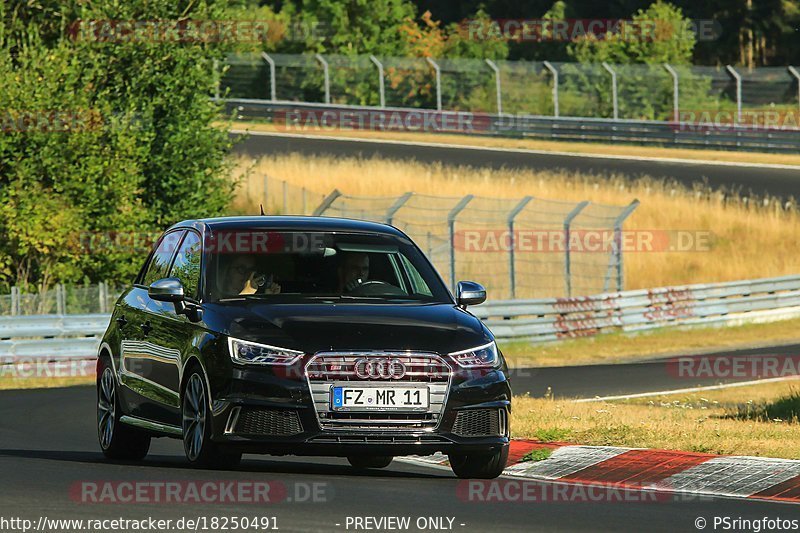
point(470, 293)
point(166, 290)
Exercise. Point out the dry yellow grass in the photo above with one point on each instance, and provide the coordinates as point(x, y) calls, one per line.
point(618, 347)
point(8, 383)
point(710, 421)
point(550, 146)
point(748, 241)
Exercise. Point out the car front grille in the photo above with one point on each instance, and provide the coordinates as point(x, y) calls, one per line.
point(480, 423)
point(258, 421)
point(327, 369)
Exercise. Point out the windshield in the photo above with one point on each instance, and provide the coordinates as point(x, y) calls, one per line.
point(279, 266)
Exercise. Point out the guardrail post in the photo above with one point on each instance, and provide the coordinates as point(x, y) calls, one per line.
point(14, 301)
point(451, 225)
point(738, 79)
point(271, 63)
point(614, 100)
point(567, 254)
point(326, 75)
point(554, 73)
point(497, 84)
point(326, 203)
point(793, 71)
point(512, 273)
point(618, 241)
point(396, 206)
point(380, 79)
point(438, 72)
point(675, 94)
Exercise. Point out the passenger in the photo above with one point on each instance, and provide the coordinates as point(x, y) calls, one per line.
point(239, 277)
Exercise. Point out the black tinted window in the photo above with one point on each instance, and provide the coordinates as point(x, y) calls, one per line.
point(296, 265)
point(159, 262)
point(186, 266)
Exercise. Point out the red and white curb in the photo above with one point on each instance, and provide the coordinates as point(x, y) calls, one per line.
point(658, 470)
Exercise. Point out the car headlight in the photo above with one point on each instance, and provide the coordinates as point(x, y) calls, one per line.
point(484, 356)
point(261, 354)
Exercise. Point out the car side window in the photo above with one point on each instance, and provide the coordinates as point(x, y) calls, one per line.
point(162, 257)
point(418, 284)
point(186, 266)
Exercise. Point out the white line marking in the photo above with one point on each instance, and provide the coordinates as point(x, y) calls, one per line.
point(682, 391)
point(733, 475)
point(565, 461)
point(521, 150)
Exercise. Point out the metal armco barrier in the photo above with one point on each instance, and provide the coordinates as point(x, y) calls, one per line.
point(51, 336)
point(731, 303)
point(306, 117)
point(55, 337)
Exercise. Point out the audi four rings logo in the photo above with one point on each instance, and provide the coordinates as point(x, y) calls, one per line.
point(380, 369)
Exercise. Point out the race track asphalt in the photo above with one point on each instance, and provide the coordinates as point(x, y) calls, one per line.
point(654, 375)
point(48, 447)
point(780, 182)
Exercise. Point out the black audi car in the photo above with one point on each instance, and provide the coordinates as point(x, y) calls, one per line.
point(305, 336)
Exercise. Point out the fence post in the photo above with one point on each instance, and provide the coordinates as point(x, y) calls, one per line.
point(618, 239)
point(100, 300)
point(14, 301)
point(738, 79)
point(451, 225)
point(380, 79)
point(567, 253)
point(614, 100)
point(512, 273)
point(326, 75)
point(438, 83)
point(271, 63)
point(554, 73)
point(60, 307)
point(497, 84)
point(217, 79)
point(675, 94)
point(793, 71)
point(326, 203)
point(396, 206)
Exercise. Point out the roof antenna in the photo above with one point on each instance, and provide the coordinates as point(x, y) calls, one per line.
point(262, 210)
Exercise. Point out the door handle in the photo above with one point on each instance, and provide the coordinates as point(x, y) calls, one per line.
point(122, 321)
point(146, 328)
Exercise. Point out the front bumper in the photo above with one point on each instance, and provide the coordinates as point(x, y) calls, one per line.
point(278, 391)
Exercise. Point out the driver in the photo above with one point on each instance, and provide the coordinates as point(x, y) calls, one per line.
point(353, 271)
point(239, 277)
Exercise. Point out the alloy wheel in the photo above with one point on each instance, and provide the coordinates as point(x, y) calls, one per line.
point(106, 409)
point(194, 417)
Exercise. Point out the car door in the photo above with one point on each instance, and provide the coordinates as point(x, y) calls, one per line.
point(143, 351)
point(170, 333)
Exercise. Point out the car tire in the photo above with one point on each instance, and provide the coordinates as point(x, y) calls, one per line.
point(117, 440)
point(479, 466)
point(196, 423)
point(370, 461)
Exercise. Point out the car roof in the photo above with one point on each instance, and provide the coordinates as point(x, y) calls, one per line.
point(290, 223)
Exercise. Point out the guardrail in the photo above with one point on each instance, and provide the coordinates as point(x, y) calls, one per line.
point(58, 337)
point(303, 117)
point(731, 303)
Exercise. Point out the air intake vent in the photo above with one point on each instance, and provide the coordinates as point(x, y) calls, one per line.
point(480, 423)
point(278, 422)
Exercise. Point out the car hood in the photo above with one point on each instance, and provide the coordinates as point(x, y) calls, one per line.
point(352, 326)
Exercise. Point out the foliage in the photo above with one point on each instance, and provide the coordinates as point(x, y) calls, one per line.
point(138, 151)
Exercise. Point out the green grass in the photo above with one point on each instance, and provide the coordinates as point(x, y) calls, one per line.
point(537, 455)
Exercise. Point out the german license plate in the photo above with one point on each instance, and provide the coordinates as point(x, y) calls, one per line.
point(376, 398)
